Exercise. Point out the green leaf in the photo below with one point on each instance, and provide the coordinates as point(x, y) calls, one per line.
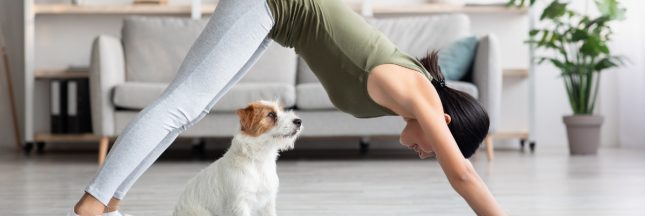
point(510, 3)
point(591, 46)
point(603, 48)
point(600, 22)
point(534, 32)
point(543, 39)
point(579, 35)
point(558, 64)
point(554, 10)
point(611, 9)
point(519, 4)
point(605, 63)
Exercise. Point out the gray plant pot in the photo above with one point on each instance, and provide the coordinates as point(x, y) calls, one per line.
point(583, 132)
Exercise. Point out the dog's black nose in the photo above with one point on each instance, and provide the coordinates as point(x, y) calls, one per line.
point(297, 122)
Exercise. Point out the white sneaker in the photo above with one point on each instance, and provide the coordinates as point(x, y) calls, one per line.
point(71, 213)
point(114, 213)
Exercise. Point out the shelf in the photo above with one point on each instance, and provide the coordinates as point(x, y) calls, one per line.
point(61, 9)
point(61, 74)
point(516, 72)
point(445, 8)
point(48, 137)
point(511, 135)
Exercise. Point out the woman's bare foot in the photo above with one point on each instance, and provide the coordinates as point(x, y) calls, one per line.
point(89, 206)
point(112, 206)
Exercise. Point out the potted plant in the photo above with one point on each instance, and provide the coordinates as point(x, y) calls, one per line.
point(580, 52)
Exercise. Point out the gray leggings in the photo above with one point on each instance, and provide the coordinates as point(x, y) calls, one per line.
point(234, 38)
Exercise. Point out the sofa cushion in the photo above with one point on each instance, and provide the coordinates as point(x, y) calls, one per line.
point(312, 96)
point(156, 46)
point(456, 60)
point(305, 75)
point(277, 64)
point(414, 35)
point(467, 87)
point(136, 95)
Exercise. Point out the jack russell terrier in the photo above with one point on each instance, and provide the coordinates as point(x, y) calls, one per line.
point(244, 181)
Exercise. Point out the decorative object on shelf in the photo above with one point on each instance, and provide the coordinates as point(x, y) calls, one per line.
point(366, 8)
point(448, 2)
point(581, 53)
point(196, 9)
point(12, 99)
point(485, 2)
point(153, 2)
point(101, 2)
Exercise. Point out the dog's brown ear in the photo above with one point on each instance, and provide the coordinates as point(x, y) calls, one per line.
point(253, 119)
point(246, 118)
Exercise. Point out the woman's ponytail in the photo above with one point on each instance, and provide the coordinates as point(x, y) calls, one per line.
point(431, 63)
point(469, 124)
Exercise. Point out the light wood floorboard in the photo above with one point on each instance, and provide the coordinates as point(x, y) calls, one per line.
point(390, 182)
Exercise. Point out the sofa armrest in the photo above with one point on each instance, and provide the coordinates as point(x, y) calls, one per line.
point(487, 76)
point(107, 69)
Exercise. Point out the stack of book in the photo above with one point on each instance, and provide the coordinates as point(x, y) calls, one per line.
point(70, 106)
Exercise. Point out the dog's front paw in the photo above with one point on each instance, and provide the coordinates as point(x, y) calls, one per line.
point(269, 210)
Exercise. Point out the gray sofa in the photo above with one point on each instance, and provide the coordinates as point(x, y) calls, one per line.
point(128, 73)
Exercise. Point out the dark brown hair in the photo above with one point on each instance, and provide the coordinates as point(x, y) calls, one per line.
point(469, 124)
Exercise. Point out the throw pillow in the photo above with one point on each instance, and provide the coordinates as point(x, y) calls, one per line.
point(457, 58)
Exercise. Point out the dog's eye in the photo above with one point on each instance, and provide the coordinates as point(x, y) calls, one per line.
point(272, 115)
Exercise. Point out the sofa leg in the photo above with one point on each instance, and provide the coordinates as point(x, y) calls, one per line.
point(489, 147)
point(103, 147)
point(199, 148)
point(364, 145)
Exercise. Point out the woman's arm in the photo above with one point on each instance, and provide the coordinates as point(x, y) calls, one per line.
point(411, 95)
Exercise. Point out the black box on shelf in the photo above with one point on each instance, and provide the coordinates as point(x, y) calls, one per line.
point(70, 106)
point(58, 106)
point(78, 106)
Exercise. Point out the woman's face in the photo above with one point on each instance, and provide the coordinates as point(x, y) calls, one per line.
point(413, 137)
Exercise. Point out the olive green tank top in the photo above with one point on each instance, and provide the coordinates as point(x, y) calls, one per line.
point(340, 47)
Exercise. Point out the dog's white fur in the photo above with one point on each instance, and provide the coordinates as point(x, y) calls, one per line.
point(244, 181)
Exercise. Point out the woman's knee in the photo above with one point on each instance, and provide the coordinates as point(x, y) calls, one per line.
point(173, 116)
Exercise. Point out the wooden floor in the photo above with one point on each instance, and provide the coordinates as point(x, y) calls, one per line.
point(548, 182)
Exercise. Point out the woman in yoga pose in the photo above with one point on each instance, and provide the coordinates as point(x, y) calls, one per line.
point(363, 73)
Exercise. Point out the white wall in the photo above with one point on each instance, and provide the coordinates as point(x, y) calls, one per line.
point(511, 31)
point(97, 2)
point(630, 81)
point(621, 97)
